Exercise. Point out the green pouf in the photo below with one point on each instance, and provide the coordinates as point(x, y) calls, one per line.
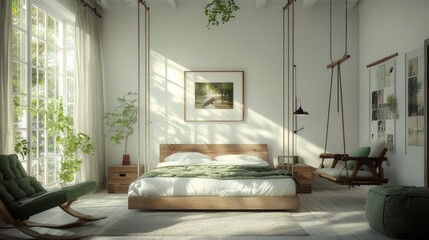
point(399, 211)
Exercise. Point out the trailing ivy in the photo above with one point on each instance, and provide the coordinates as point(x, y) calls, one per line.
point(220, 11)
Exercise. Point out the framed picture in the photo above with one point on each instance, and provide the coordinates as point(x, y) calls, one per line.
point(214, 96)
point(414, 92)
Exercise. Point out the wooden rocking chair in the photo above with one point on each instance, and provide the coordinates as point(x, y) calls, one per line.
point(22, 196)
point(372, 175)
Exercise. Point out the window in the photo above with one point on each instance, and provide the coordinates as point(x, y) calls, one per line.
point(43, 69)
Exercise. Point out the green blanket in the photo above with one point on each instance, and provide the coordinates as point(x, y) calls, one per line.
point(217, 172)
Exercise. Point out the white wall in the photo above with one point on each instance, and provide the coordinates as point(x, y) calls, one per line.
point(252, 43)
point(119, 43)
point(387, 27)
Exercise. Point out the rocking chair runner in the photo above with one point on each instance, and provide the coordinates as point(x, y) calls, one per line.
point(22, 196)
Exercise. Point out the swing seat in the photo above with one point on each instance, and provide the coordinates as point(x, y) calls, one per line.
point(366, 170)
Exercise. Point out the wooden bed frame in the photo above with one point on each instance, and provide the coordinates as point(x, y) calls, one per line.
point(215, 202)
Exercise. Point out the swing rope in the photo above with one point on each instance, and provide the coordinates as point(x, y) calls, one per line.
point(340, 106)
point(345, 25)
point(330, 30)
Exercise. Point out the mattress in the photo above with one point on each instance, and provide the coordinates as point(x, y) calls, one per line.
point(169, 187)
point(195, 186)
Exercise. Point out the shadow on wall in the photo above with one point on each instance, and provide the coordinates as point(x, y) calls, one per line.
point(168, 125)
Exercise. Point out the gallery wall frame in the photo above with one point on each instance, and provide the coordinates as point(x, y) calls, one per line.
point(415, 102)
point(382, 93)
point(214, 96)
point(426, 89)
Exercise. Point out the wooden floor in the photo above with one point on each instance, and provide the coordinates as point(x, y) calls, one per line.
point(329, 212)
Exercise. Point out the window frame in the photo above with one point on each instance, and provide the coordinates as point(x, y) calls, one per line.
point(61, 78)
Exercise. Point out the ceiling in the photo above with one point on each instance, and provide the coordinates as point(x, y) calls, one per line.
point(258, 3)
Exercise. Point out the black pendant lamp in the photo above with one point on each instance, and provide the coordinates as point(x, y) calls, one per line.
point(300, 111)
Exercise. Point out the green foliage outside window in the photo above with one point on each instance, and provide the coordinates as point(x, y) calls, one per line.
point(47, 80)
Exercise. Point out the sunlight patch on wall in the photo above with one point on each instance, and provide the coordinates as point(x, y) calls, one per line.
point(310, 152)
point(168, 124)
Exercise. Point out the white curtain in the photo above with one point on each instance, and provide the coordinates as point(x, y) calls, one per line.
point(6, 103)
point(89, 92)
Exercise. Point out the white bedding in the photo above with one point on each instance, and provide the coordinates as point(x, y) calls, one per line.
point(178, 187)
point(168, 187)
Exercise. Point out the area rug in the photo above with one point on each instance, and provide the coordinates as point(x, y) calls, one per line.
point(205, 224)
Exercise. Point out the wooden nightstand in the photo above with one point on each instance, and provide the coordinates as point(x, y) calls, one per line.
point(121, 176)
point(304, 175)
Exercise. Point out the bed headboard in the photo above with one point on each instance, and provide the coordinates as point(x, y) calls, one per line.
point(213, 150)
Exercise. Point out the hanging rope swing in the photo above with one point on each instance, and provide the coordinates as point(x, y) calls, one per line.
point(374, 175)
point(332, 66)
point(336, 64)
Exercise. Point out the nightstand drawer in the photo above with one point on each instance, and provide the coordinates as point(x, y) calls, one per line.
point(121, 176)
point(117, 187)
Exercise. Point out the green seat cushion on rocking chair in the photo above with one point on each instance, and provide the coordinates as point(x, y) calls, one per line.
point(33, 205)
point(360, 152)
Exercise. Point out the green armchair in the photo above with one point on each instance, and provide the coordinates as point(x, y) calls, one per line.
point(22, 196)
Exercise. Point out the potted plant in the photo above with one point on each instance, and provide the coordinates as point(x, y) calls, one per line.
point(121, 122)
point(69, 143)
point(222, 9)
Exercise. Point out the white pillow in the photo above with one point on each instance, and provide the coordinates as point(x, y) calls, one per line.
point(185, 163)
point(376, 148)
point(240, 159)
point(187, 157)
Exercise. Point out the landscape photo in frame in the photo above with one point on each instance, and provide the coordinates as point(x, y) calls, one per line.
point(217, 95)
point(214, 96)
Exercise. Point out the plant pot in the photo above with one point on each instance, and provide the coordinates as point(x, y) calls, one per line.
point(126, 159)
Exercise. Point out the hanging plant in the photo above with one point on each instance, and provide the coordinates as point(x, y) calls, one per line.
point(220, 10)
